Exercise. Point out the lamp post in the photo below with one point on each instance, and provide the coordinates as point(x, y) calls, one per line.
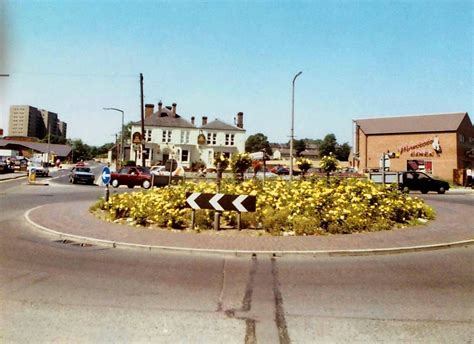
point(292, 134)
point(122, 148)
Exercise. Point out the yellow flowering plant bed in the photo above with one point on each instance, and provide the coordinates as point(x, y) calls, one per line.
point(300, 207)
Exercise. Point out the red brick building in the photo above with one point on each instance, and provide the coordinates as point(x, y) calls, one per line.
point(441, 144)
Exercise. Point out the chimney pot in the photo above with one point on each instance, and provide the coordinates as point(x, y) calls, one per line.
point(160, 107)
point(192, 120)
point(204, 120)
point(174, 109)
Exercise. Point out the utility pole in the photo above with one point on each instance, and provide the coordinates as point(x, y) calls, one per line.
point(142, 108)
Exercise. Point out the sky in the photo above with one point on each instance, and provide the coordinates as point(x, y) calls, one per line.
point(217, 58)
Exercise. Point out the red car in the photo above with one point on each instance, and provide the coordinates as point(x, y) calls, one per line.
point(131, 176)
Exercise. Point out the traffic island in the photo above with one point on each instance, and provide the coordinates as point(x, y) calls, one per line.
point(32, 179)
point(307, 207)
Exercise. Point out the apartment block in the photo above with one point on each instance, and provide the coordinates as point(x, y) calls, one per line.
point(29, 121)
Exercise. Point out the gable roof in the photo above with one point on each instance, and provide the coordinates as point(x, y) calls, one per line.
point(166, 119)
point(219, 125)
point(412, 124)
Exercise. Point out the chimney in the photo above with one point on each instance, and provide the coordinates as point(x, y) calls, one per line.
point(174, 110)
point(204, 120)
point(160, 107)
point(240, 120)
point(149, 110)
point(192, 120)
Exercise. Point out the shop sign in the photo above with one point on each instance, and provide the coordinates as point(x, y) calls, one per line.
point(434, 142)
point(421, 153)
point(137, 138)
point(201, 139)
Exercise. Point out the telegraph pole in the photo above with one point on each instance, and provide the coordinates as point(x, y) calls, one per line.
point(143, 119)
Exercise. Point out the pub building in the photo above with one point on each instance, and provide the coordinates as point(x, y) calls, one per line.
point(441, 145)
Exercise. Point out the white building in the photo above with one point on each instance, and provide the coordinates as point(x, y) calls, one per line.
point(168, 135)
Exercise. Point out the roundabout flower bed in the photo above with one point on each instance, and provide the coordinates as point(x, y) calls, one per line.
point(301, 207)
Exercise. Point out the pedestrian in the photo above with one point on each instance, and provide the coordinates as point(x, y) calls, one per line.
point(469, 177)
point(58, 163)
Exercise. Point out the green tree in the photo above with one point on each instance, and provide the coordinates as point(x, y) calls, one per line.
point(300, 146)
point(343, 151)
point(80, 150)
point(328, 145)
point(239, 164)
point(257, 143)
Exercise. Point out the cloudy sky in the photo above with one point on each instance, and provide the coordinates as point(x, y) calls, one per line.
point(217, 58)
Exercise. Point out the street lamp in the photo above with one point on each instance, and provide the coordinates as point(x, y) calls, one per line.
point(122, 148)
point(292, 135)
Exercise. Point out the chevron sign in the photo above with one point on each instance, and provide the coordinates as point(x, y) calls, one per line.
point(221, 202)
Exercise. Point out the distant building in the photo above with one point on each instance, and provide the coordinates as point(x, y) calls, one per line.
point(29, 121)
point(439, 144)
point(168, 135)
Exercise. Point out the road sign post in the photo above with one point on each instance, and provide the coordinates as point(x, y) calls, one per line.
point(106, 180)
point(220, 202)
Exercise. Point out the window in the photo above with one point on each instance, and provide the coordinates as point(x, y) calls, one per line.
point(462, 139)
point(166, 138)
point(148, 135)
point(184, 136)
point(185, 155)
point(229, 139)
point(211, 138)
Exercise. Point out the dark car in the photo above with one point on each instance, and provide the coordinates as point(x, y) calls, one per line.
point(131, 176)
point(81, 174)
point(419, 181)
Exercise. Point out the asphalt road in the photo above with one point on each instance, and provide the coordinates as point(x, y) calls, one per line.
point(56, 292)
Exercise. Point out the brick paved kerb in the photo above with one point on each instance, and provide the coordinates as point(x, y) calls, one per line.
point(453, 224)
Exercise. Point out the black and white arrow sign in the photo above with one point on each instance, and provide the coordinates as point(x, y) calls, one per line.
point(221, 202)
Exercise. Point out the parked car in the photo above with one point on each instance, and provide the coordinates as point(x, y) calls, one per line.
point(4, 168)
point(40, 169)
point(81, 174)
point(159, 170)
point(419, 181)
point(411, 181)
point(131, 176)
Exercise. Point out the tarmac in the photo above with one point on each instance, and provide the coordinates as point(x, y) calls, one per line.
point(73, 223)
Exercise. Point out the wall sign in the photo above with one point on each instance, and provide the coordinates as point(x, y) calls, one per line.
point(137, 138)
point(415, 148)
point(201, 139)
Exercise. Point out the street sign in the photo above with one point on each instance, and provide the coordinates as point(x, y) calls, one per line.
point(106, 175)
point(221, 202)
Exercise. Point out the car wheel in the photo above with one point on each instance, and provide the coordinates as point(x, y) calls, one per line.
point(424, 191)
point(131, 186)
point(441, 190)
point(146, 184)
point(114, 183)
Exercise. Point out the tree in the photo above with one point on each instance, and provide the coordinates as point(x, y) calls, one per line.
point(343, 151)
point(80, 150)
point(300, 146)
point(240, 163)
point(329, 164)
point(328, 145)
point(257, 143)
